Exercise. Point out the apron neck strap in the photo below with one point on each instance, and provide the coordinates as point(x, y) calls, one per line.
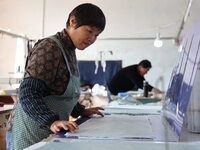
point(63, 52)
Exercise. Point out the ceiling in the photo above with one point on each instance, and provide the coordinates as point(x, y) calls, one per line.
point(145, 18)
point(127, 19)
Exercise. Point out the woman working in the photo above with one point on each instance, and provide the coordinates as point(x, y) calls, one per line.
point(51, 88)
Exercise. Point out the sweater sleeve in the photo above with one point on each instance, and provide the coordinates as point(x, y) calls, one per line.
point(30, 97)
point(135, 79)
point(150, 88)
point(77, 110)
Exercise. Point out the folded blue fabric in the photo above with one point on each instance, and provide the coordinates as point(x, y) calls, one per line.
point(122, 94)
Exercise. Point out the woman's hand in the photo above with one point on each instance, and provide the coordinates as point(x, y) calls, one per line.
point(90, 111)
point(67, 125)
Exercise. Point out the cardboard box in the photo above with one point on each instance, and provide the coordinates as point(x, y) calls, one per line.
point(3, 120)
point(2, 139)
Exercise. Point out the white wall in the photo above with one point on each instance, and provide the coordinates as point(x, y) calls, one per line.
point(7, 55)
point(127, 18)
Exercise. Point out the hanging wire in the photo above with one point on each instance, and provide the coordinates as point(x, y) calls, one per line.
point(2, 31)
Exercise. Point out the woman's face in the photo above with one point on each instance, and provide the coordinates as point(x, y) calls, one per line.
point(84, 36)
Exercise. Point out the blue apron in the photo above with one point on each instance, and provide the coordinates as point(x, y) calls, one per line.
point(25, 131)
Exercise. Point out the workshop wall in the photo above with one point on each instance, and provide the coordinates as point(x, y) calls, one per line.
point(138, 18)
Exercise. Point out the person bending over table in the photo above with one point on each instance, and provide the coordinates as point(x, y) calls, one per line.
point(131, 78)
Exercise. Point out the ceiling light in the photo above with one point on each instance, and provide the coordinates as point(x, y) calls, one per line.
point(158, 42)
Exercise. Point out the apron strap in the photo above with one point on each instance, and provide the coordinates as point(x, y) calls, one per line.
point(63, 52)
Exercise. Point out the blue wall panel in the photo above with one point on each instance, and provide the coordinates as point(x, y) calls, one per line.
point(87, 71)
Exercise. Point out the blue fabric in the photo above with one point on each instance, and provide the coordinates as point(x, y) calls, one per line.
point(109, 96)
point(182, 80)
point(87, 71)
point(8, 140)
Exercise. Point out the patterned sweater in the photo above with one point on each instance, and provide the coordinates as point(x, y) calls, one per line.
point(46, 74)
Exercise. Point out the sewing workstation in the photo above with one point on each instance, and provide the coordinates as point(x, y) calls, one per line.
point(135, 119)
point(100, 75)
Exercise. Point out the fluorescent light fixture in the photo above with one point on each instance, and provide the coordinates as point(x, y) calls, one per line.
point(158, 42)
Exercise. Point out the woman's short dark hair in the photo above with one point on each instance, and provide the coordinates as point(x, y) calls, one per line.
point(145, 64)
point(88, 14)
